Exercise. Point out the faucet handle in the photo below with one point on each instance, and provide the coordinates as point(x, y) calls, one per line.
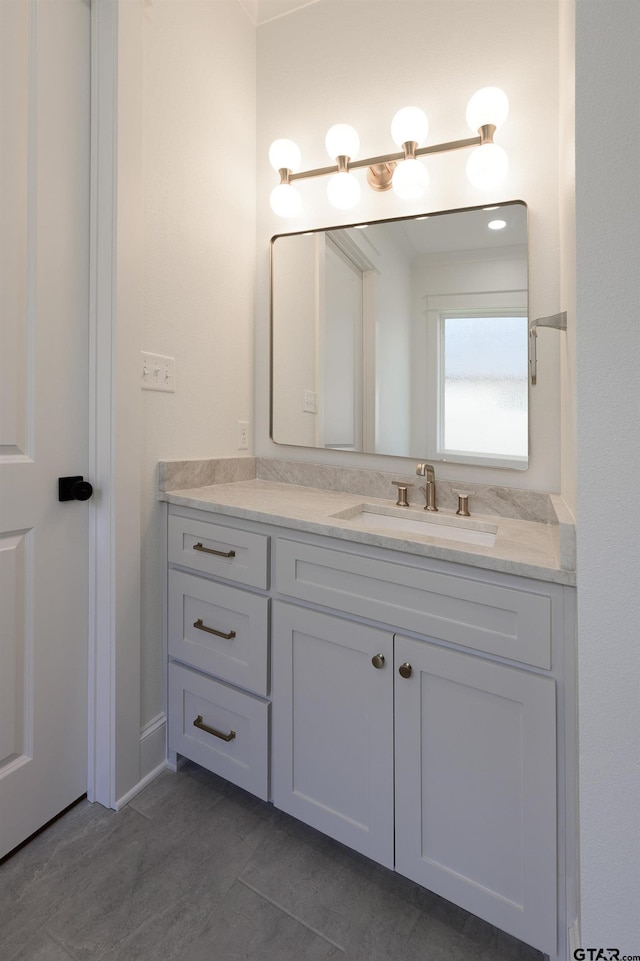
point(403, 487)
point(463, 502)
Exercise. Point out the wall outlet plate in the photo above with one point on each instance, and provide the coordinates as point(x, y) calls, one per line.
point(309, 401)
point(243, 435)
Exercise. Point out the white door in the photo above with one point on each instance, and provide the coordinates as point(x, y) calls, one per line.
point(44, 257)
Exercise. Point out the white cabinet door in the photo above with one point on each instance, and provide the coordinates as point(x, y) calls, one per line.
point(333, 727)
point(476, 787)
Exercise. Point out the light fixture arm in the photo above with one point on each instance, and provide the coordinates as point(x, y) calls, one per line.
point(485, 136)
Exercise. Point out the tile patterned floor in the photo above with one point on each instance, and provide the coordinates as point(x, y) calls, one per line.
point(195, 869)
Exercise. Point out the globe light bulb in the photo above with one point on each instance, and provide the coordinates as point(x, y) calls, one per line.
point(286, 201)
point(409, 124)
point(342, 140)
point(487, 166)
point(487, 106)
point(285, 154)
point(343, 191)
point(410, 180)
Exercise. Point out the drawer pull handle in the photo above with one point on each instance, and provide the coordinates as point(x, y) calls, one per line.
point(378, 661)
point(199, 723)
point(208, 550)
point(210, 630)
point(405, 670)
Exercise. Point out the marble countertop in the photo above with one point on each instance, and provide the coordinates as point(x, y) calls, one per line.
point(521, 547)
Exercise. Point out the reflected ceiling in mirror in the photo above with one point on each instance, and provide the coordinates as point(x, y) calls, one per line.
point(405, 337)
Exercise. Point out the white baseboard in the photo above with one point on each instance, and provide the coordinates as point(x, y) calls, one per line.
point(153, 744)
point(140, 786)
point(153, 757)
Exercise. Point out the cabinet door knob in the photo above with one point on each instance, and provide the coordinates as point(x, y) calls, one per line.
point(405, 669)
point(378, 660)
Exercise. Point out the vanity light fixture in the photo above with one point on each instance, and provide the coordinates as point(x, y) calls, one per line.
point(404, 172)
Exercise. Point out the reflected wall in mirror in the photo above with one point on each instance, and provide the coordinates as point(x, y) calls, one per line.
point(405, 337)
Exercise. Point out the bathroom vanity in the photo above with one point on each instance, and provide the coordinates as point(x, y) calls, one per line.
point(408, 694)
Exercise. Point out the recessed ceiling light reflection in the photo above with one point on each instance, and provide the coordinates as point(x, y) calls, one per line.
point(497, 224)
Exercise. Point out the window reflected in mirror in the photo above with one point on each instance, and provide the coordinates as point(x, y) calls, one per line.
point(484, 386)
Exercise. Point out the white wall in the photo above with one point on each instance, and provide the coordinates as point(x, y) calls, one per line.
point(199, 190)
point(358, 61)
point(567, 214)
point(608, 381)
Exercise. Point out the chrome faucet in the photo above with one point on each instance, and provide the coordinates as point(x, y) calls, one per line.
point(426, 470)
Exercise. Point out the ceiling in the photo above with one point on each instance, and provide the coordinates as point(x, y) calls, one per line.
point(262, 11)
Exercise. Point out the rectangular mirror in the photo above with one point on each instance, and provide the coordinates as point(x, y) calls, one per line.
point(405, 337)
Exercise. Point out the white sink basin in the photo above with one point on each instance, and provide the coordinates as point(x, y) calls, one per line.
point(405, 520)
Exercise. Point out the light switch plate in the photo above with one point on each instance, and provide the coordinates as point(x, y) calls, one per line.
point(158, 372)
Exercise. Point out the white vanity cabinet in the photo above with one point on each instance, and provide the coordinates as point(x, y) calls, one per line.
point(417, 706)
point(218, 647)
point(474, 806)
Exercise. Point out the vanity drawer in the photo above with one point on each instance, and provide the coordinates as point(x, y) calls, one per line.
point(220, 630)
point(242, 758)
point(503, 621)
point(236, 555)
